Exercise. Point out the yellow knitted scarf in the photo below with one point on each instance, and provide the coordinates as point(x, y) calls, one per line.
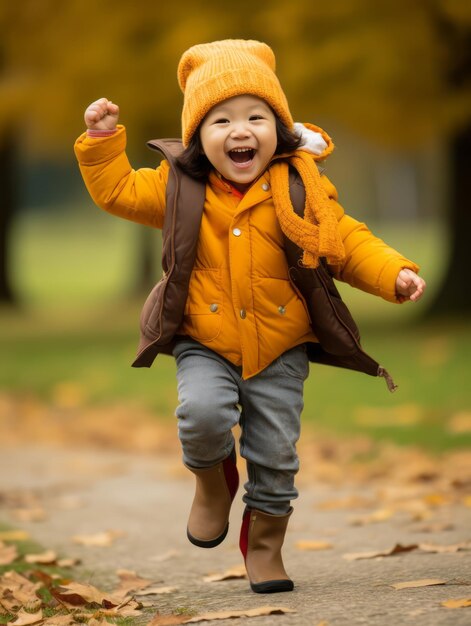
point(317, 234)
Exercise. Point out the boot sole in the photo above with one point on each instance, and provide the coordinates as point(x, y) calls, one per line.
point(211, 543)
point(272, 586)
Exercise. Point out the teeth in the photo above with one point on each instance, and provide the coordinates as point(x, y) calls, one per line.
point(241, 150)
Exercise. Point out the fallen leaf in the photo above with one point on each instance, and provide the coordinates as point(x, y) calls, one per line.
point(397, 549)
point(60, 620)
point(68, 562)
point(459, 603)
point(24, 618)
point(381, 515)
point(8, 554)
point(441, 549)
point(460, 423)
point(313, 545)
point(45, 558)
point(79, 594)
point(425, 582)
point(151, 591)
point(438, 527)
point(14, 535)
point(130, 581)
point(36, 514)
point(21, 591)
point(101, 540)
point(467, 500)
point(263, 610)
point(171, 620)
point(350, 502)
point(170, 554)
point(233, 573)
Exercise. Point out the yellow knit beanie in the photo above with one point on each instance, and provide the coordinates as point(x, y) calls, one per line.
point(212, 72)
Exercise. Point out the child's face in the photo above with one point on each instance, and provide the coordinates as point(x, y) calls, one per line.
point(239, 138)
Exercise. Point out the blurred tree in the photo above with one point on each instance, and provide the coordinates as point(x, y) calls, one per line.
point(396, 71)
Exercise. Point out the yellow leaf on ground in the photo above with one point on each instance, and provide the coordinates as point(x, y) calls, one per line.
point(60, 620)
point(460, 423)
point(236, 572)
point(130, 581)
point(425, 582)
point(68, 562)
point(45, 558)
point(154, 591)
point(79, 594)
point(313, 545)
point(460, 603)
point(36, 514)
point(263, 610)
point(24, 618)
point(101, 540)
point(14, 535)
point(397, 549)
point(7, 554)
point(455, 547)
point(381, 515)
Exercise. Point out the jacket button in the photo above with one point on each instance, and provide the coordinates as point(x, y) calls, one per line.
point(237, 232)
point(243, 314)
point(281, 310)
point(265, 186)
point(213, 308)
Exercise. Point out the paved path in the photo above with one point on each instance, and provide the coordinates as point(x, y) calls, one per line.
point(85, 491)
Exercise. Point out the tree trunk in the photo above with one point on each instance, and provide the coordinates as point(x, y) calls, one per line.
point(454, 296)
point(8, 206)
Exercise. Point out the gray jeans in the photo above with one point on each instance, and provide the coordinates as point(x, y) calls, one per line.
point(213, 398)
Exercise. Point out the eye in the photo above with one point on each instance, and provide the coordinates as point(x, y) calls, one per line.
point(221, 120)
point(254, 118)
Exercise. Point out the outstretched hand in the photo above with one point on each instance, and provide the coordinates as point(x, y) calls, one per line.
point(102, 115)
point(409, 286)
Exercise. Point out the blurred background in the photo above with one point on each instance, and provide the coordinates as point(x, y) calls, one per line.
point(389, 81)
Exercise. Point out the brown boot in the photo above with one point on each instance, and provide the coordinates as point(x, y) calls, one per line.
point(261, 539)
point(215, 489)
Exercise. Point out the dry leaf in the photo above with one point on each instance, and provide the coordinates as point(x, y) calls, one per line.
point(438, 527)
point(425, 582)
point(263, 610)
point(170, 554)
point(171, 620)
point(460, 603)
point(313, 545)
point(130, 581)
point(21, 592)
point(101, 540)
point(60, 620)
point(151, 591)
point(7, 554)
point(68, 562)
point(36, 514)
point(24, 618)
point(467, 500)
point(233, 573)
point(441, 549)
point(45, 558)
point(381, 515)
point(397, 549)
point(460, 423)
point(79, 594)
point(14, 535)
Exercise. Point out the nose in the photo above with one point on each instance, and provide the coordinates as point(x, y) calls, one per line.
point(240, 130)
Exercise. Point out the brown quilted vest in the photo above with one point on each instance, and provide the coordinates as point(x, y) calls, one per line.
point(162, 314)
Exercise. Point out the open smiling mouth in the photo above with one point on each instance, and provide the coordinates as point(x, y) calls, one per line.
point(242, 156)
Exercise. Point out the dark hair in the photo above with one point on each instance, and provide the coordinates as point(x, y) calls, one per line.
point(195, 163)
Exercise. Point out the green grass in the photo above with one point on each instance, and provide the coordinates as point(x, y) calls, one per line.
point(78, 330)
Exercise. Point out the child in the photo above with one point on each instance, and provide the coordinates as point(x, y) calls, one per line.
point(245, 337)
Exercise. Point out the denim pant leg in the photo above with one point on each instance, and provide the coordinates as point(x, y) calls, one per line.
point(207, 410)
point(272, 403)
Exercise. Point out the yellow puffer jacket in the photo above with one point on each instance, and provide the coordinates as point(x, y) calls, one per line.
point(241, 302)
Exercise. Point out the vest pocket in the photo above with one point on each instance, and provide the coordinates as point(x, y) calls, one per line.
point(204, 306)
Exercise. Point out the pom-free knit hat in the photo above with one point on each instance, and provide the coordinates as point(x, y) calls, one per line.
point(212, 72)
